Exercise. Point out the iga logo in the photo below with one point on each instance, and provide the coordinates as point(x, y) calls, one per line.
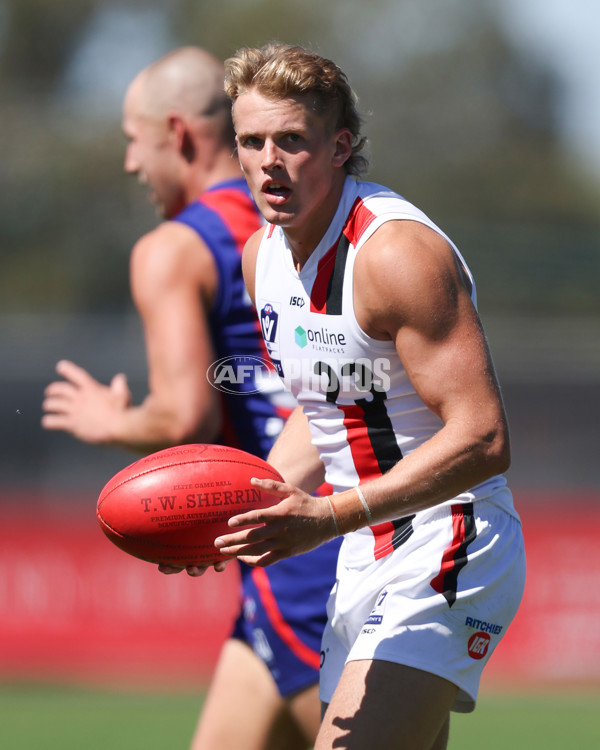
point(239, 374)
point(478, 645)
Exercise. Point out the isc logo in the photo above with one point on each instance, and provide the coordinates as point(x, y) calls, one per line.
point(478, 645)
point(296, 301)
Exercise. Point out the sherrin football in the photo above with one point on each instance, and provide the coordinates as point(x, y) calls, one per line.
point(170, 506)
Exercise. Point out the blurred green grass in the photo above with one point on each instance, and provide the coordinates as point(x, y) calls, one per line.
point(79, 718)
point(58, 717)
point(531, 721)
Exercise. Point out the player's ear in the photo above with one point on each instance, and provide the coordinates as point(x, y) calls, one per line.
point(179, 131)
point(343, 147)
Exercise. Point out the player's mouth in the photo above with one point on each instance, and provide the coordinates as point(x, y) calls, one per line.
point(143, 180)
point(276, 193)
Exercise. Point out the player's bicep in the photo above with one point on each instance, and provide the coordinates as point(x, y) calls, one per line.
point(423, 304)
point(450, 366)
point(167, 287)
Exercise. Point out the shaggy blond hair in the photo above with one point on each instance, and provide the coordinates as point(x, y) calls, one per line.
point(279, 71)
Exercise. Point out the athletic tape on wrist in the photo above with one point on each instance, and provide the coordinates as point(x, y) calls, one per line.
point(361, 497)
point(333, 515)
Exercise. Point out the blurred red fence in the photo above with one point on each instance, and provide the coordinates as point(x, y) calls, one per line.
point(73, 606)
point(555, 637)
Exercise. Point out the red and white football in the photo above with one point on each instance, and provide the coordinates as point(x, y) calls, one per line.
point(170, 506)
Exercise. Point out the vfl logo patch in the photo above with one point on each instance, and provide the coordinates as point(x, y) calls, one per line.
point(478, 645)
point(268, 322)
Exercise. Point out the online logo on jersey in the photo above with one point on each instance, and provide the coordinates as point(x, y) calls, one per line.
point(242, 375)
point(322, 366)
point(322, 339)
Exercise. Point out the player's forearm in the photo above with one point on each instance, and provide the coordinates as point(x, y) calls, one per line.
point(294, 455)
point(150, 427)
point(447, 465)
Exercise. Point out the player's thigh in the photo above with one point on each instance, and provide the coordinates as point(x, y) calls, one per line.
point(243, 708)
point(305, 711)
point(387, 706)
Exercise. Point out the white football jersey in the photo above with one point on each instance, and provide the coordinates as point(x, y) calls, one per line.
point(363, 411)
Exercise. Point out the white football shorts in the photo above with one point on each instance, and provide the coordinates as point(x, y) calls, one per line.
point(440, 602)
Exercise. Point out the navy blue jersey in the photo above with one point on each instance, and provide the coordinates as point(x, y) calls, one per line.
point(225, 216)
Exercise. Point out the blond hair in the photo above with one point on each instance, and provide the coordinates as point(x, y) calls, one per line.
point(281, 70)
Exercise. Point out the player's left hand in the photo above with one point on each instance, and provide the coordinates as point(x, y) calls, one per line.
point(81, 405)
point(299, 523)
point(195, 571)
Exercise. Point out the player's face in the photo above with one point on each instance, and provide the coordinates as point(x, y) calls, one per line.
point(149, 155)
point(293, 161)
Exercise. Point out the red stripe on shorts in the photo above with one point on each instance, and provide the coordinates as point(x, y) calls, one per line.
point(454, 557)
point(281, 627)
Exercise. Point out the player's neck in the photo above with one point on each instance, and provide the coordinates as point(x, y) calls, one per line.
point(304, 239)
point(221, 170)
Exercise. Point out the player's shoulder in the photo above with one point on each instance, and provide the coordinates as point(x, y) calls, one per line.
point(406, 268)
point(249, 258)
point(171, 254)
point(170, 245)
point(253, 242)
point(168, 238)
point(404, 245)
point(252, 247)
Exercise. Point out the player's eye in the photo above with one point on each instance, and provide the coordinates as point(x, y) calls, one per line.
point(250, 141)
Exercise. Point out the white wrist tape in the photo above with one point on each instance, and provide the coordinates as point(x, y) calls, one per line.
point(361, 497)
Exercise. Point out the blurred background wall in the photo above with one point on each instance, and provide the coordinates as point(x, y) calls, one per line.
point(485, 113)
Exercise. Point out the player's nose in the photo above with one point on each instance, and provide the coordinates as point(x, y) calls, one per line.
point(131, 163)
point(271, 156)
